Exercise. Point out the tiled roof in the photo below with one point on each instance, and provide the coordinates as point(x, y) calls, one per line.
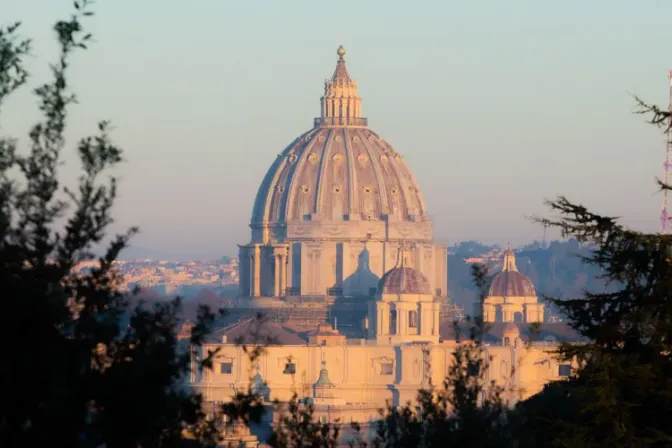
point(404, 280)
point(511, 284)
point(255, 331)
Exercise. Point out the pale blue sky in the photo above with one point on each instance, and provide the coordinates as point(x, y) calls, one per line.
point(495, 104)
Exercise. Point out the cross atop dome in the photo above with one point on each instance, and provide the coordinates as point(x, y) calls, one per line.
point(341, 104)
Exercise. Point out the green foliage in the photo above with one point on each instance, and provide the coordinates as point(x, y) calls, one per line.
point(623, 385)
point(74, 375)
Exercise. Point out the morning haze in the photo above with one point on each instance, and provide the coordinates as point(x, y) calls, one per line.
point(495, 106)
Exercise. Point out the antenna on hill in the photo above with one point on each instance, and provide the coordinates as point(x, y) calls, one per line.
point(664, 216)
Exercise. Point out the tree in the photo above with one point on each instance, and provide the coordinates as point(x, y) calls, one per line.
point(74, 373)
point(621, 392)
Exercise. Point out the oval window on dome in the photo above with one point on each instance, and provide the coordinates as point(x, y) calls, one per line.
point(305, 188)
point(394, 190)
point(312, 158)
point(337, 188)
point(367, 189)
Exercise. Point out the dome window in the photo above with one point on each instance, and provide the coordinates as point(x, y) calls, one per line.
point(337, 188)
point(367, 189)
point(280, 188)
point(394, 190)
point(413, 319)
point(305, 189)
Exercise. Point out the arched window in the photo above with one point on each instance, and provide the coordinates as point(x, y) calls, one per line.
point(413, 319)
point(507, 341)
point(504, 369)
point(518, 317)
point(393, 321)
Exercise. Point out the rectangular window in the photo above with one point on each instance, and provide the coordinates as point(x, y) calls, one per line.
point(290, 368)
point(226, 368)
point(386, 368)
point(564, 370)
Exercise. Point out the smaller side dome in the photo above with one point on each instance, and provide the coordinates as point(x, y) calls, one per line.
point(509, 282)
point(403, 278)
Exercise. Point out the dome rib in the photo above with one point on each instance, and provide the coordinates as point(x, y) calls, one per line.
point(299, 167)
point(319, 192)
point(403, 185)
point(380, 183)
point(352, 176)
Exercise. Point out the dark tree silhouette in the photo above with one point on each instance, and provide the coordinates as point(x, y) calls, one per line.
point(80, 368)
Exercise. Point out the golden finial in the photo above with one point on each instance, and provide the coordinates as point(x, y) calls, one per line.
point(341, 51)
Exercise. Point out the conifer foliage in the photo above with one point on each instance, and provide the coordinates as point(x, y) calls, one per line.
point(79, 367)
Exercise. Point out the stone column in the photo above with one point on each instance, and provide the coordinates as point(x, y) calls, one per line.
point(257, 271)
point(283, 271)
point(250, 271)
point(276, 274)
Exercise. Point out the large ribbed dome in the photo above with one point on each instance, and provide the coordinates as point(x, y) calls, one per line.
point(339, 170)
point(334, 172)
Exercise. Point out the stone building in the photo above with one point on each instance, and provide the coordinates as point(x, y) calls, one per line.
point(339, 215)
point(512, 297)
point(333, 209)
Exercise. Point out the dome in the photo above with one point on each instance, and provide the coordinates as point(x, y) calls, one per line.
point(509, 282)
point(404, 280)
point(340, 170)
